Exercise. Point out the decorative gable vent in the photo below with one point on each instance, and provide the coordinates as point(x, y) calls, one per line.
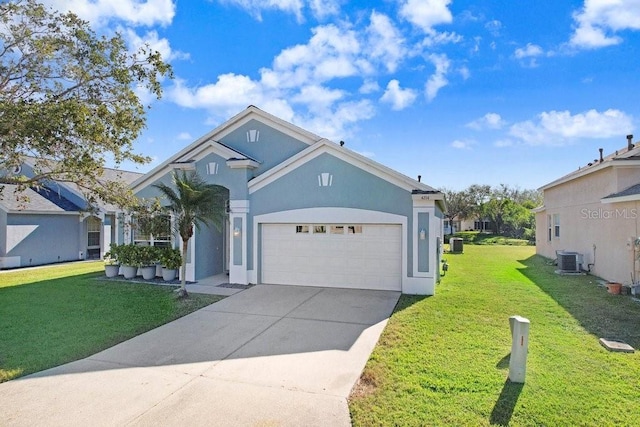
point(325, 179)
point(253, 135)
point(212, 168)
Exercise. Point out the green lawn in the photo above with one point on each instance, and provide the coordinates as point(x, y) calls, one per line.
point(53, 315)
point(444, 360)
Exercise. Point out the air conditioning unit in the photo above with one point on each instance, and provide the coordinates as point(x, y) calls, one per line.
point(569, 262)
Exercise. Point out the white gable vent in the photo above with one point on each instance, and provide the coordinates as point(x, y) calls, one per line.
point(253, 135)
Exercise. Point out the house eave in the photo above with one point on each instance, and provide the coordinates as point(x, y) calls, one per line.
point(590, 169)
point(358, 160)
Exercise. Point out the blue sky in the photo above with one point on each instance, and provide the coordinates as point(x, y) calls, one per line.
point(516, 92)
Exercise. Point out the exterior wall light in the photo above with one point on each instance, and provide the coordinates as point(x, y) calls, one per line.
point(423, 234)
point(236, 232)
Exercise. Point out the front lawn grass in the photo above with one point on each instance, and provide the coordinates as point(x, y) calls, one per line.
point(57, 314)
point(444, 360)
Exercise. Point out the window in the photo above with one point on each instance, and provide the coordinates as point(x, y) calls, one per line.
point(549, 226)
point(354, 229)
point(319, 229)
point(556, 226)
point(152, 230)
point(302, 228)
point(93, 232)
point(337, 229)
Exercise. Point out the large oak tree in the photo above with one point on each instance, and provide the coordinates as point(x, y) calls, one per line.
point(68, 99)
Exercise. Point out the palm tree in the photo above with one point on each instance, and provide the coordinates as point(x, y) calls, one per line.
point(193, 202)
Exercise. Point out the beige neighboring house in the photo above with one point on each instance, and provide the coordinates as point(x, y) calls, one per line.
point(594, 211)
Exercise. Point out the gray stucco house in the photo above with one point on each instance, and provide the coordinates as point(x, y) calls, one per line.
point(305, 211)
point(52, 224)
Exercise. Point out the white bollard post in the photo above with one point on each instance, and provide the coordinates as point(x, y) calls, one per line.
point(519, 345)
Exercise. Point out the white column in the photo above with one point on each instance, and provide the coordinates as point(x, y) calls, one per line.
point(238, 241)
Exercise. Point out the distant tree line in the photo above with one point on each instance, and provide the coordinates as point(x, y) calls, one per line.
point(508, 209)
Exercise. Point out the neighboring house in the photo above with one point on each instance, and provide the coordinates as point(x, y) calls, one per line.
point(594, 211)
point(51, 224)
point(467, 224)
point(305, 211)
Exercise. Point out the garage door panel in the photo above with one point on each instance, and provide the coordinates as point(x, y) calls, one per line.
point(369, 259)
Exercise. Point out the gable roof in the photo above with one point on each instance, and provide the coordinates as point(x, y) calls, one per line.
point(210, 142)
point(39, 200)
point(624, 157)
point(37, 196)
point(358, 160)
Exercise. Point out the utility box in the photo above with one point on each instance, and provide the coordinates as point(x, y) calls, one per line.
point(519, 348)
point(455, 245)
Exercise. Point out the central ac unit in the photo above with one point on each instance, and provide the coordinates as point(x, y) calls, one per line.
point(570, 262)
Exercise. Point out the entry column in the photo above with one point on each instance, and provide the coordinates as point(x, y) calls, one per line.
point(238, 241)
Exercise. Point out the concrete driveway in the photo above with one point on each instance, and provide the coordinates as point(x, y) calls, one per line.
point(267, 356)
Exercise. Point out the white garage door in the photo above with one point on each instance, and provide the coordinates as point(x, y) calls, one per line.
point(363, 256)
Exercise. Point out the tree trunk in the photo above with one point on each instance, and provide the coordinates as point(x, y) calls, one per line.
point(183, 270)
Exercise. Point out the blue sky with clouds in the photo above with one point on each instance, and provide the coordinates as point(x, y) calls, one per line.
point(516, 92)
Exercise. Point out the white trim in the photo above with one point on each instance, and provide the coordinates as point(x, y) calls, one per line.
point(621, 199)
point(238, 273)
point(250, 113)
point(431, 238)
point(617, 163)
point(191, 154)
point(355, 159)
point(242, 164)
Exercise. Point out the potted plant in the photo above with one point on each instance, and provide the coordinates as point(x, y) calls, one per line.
point(111, 261)
point(146, 259)
point(171, 260)
point(128, 257)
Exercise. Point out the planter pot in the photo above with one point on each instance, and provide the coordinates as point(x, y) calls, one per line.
point(169, 274)
point(614, 288)
point(111, 270)
point(148, 272)
point(129, 271)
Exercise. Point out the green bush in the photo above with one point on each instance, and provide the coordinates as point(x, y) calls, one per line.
point(170, 258)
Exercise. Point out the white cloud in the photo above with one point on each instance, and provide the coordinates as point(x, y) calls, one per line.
point(464, 72)
point(435, 38)
point(184, 136)
point(256, 7)
point(317, 98)
point(528, 55)
point(398, 98)
point(488, 121)
point(463, 144)
point(531, 50)
point(598, 20)
point(562, 127)
point(493, 27)
point(159, 44)
point(324, 8)
point(438, 79)
point(332, 52)
point(369, 86)
point(425, 14)
point(385, 43)
point(132, 12)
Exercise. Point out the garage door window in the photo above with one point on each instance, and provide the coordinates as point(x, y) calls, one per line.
point(319, 229)
point(337, 229)
point(354, 229)
point(302, 229)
